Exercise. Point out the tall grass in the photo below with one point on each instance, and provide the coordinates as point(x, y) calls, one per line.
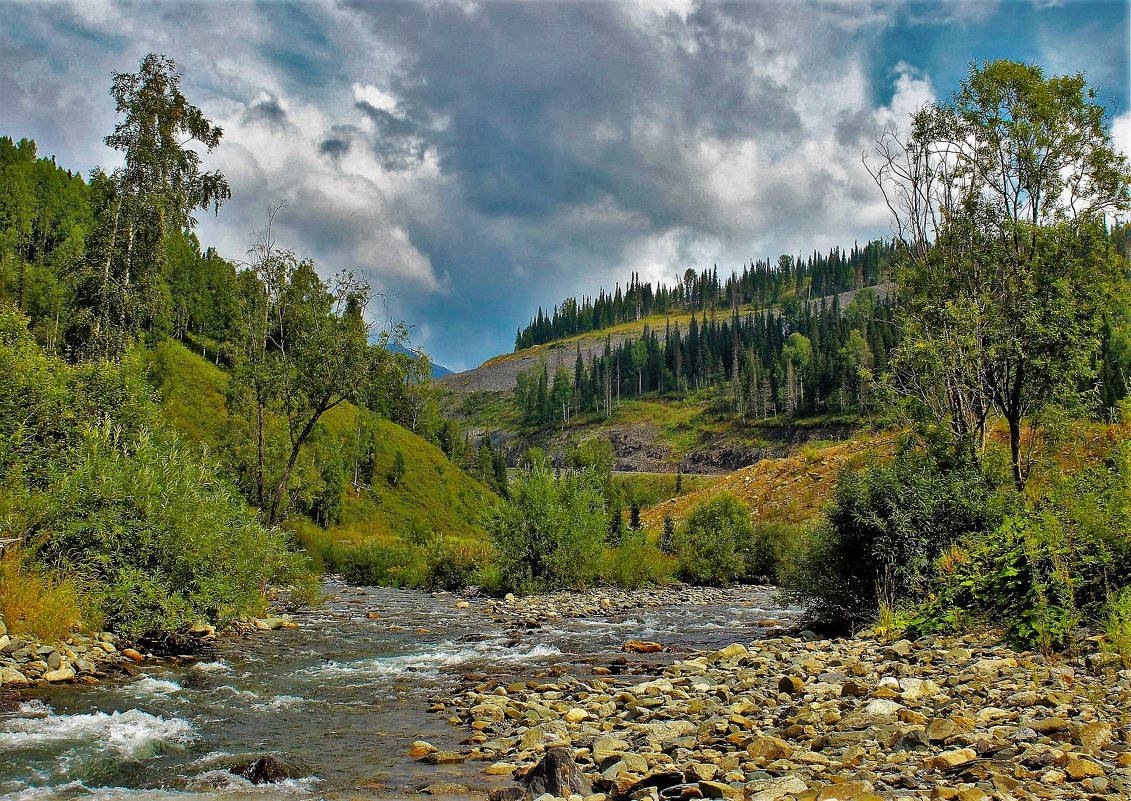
point(34, 604)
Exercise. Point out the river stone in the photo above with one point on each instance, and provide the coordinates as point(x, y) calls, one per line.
point(791, 685)
point(444, 788)
point(5, 641)
point(510, 794)
point(774, 789)
point(10, 677)
point(667, 731)
point(558, 775)
point(1094, 737)
point(130, 653)
point(1079, 769)
point(952, 759)
point(941, 729)
point(444, 758)
point(768, 749)
point(642, 647)
point(263, 770)
point(882, 709)
point(845, 791)
point(64, 673)
point(421, 748)
point(3, 629)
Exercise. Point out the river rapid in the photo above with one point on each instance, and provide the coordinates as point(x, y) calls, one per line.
point(339, 699)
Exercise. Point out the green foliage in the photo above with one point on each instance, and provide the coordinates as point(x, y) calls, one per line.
point(551, 534)
point(138, 206)
point(999, 198)
point(1116, 626)
point(636, 562)
point(396, 471)
point(150, 531)
point(774, 551)
point(1049, 568)
point(712, 543)
point(886, 526)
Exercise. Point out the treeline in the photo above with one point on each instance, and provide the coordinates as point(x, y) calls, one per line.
point(761, 284)
point(799, 360)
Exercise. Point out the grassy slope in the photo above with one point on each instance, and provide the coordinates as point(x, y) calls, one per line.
point(791, 490)
point(433, 494)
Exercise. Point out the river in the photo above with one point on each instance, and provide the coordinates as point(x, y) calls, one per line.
point(340, 698)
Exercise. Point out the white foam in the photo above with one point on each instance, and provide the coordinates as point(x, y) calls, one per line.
point(153, 686)
point(429, 663)
point(129, 734)
point(212, 667)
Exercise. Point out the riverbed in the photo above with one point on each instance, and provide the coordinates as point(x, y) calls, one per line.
point(339, 699)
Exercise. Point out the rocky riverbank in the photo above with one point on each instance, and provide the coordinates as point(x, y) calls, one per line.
point(786, 719)
point(611, 601)
point(85, 659)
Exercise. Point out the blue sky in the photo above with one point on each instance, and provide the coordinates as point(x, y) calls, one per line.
point(478, 159)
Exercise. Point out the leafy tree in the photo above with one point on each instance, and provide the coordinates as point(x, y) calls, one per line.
point(396, 472)
point(713, 541)
point(552, 532)
point(303, 349)
point(999, 198)
point(138, 205)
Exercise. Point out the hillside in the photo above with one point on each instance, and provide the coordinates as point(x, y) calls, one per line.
point(700, 428)
point(431, 496)
point(790, 490)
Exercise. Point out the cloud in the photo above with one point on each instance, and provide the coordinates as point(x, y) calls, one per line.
point(481, 159)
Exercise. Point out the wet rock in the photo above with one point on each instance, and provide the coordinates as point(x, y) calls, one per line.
point(443, 758)
point(130, 653)
point(510, 794)
point(263, 770)
point(558, 775)
point(421, 748)
point(642, 647)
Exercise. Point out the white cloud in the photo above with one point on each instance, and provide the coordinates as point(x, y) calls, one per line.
point(375, 97)
point(1121, 133)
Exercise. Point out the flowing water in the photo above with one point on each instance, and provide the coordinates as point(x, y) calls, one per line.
point(339, 698)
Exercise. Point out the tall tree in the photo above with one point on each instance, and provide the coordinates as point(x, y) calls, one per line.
point(999, 199)
point(156, 191)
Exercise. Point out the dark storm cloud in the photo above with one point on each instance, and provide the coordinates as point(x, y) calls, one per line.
point(334, 148)
point(268, 112)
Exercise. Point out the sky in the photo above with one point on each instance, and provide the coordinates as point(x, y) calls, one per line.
point(477, 160)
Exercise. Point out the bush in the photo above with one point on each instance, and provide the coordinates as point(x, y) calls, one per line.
point(551, 534)
point(714, 540)
point(1049, 568)
point(774, 550)
point(374, 564)
point(1117, 626)
point(886, 526)
point(163, 541)
point(636, 563)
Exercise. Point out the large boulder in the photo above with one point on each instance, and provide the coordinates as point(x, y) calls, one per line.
point(558, 775)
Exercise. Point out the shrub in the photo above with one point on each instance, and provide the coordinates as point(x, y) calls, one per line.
point(774, 550)
point(162, 540)
point(636, 562)
point(1049, 568)
point(886, 525)
point(551, 534)
point(373, 564)
point(1117, 626)
point(712, 543)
